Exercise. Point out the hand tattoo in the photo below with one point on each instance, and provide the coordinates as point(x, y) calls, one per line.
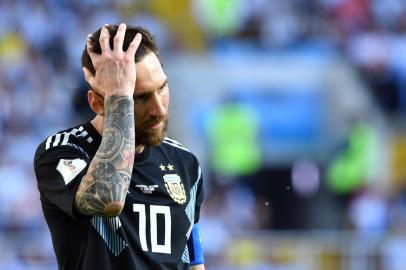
point(103, 189)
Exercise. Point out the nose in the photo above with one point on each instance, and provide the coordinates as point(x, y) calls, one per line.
point(156, 106)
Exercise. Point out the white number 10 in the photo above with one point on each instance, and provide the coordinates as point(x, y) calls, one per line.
point(154, 211)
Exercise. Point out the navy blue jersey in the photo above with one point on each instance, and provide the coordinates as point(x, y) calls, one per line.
point(161, 207)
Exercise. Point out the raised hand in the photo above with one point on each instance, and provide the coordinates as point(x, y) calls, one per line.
point(104, 187)
point(115, 69)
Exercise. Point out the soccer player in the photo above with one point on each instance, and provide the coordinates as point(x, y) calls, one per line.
point(115, 191)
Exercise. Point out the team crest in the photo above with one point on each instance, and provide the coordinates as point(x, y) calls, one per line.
point(175, 187)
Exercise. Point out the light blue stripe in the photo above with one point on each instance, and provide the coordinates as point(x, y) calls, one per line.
point(107, 228)
point(190, 212)
point(185, 255)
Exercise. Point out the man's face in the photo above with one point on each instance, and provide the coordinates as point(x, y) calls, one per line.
point(151, 100)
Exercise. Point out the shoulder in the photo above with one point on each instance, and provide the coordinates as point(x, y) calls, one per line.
point(75, 139)
point(184, 156)
point(176, 147)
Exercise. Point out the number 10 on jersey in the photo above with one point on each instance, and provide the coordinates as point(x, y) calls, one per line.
point(154, 210)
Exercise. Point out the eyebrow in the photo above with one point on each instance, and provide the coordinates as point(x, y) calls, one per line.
point(149, 92)
point(138, 95)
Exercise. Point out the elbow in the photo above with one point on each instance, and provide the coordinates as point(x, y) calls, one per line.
point(90, 206)
point(113, 209)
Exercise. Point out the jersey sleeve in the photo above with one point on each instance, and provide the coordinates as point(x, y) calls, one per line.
point(59, 171)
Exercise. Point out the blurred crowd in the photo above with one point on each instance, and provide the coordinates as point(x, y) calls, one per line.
point(42, 90)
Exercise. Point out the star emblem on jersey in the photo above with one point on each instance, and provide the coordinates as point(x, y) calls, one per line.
point(175, 188)
point(170, 167)
point(162, 167)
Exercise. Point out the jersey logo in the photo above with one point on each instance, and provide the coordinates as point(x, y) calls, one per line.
point(175, 188)
point(147, 189)
point(70, 168)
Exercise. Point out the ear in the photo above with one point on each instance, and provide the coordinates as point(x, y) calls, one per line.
point(96, 102)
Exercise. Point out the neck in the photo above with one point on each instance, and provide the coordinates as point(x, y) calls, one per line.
point(98, 124)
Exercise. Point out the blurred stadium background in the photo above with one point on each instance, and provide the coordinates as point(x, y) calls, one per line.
point(295, 108)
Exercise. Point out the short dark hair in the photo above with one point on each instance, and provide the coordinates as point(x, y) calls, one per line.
point(148, 44)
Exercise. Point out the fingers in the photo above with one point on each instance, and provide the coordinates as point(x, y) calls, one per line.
point(119, 38)
point(89, 47)
point(132, 48)
point(88, 76)
point(104, 40)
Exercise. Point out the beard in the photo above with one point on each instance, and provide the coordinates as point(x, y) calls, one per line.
point(144, 135)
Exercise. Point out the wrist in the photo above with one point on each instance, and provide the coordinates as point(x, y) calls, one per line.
point(120, 92)
point(113, 103)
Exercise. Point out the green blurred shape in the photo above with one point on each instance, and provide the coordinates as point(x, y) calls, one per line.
point(352, 168)
point(221, 17)
point(233, 130)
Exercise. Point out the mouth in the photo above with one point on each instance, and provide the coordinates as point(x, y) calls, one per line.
point(155, 125)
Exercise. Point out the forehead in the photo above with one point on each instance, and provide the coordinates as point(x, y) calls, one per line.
point(150, 74)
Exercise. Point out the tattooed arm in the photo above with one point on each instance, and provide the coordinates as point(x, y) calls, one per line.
point(104, 187)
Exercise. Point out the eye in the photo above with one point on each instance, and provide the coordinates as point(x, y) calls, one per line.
point(142, 97)
point(164, 87)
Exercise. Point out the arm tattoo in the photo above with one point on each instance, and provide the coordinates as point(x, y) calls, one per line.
point(103, 189)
